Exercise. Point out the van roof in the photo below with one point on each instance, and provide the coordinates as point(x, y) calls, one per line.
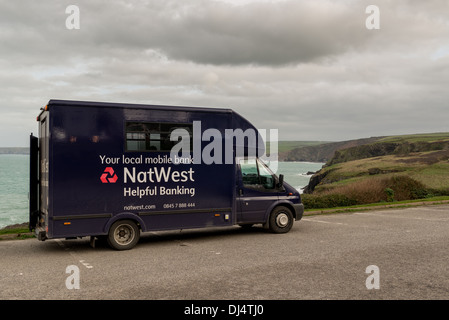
point(54, 102)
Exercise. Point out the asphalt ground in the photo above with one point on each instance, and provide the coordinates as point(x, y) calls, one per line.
point(322, 257)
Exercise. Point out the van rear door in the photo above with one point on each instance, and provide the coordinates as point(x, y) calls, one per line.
point(39, 177)
point(34, 182)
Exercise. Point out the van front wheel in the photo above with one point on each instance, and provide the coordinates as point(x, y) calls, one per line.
point(123, 235)
point(281, 220)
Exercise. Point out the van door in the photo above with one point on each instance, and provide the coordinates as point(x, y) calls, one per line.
point(256, 191)
point(44, 139)
point(34, 183)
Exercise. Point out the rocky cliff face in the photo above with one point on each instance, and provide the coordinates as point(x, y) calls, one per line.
point(317, 178)
point(323, 152)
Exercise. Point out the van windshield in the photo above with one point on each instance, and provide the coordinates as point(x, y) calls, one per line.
point(256, 174)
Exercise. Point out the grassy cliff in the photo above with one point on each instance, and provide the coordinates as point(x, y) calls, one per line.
point(389, 169)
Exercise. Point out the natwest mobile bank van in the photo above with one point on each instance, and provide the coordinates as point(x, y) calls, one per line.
point(115, 170)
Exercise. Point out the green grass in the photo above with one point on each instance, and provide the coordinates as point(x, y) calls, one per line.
point(434, 175)
point(422, 137)
point(398, 204)
point(20, 233)
point(11, 231)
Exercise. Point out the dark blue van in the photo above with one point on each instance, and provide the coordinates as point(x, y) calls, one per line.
point(110, 170)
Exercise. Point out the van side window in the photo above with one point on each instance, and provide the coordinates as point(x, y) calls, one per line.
point(150, 136)
point(255, 175)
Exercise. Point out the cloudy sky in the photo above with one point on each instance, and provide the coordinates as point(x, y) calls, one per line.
point(310, 69)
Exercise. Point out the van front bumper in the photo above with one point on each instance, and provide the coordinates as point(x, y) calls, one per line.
point(299, 211)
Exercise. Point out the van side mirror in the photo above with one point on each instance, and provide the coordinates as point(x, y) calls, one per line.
point(281, 181)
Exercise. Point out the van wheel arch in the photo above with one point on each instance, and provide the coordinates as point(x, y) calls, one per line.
point(125, 216)
point(281, 219)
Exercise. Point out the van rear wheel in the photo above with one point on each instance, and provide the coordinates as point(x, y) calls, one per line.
point(123, 235)
point(281, 220)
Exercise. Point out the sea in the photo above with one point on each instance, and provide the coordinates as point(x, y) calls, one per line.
point(14, 184)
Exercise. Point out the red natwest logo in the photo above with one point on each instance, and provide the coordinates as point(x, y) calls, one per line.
point(108, 172)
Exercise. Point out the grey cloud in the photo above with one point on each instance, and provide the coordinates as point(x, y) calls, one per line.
point(204, 32)
point(308, 68)
point(208, 32)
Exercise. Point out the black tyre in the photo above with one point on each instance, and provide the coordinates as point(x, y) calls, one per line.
point(123, 235)
point(281, 220)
